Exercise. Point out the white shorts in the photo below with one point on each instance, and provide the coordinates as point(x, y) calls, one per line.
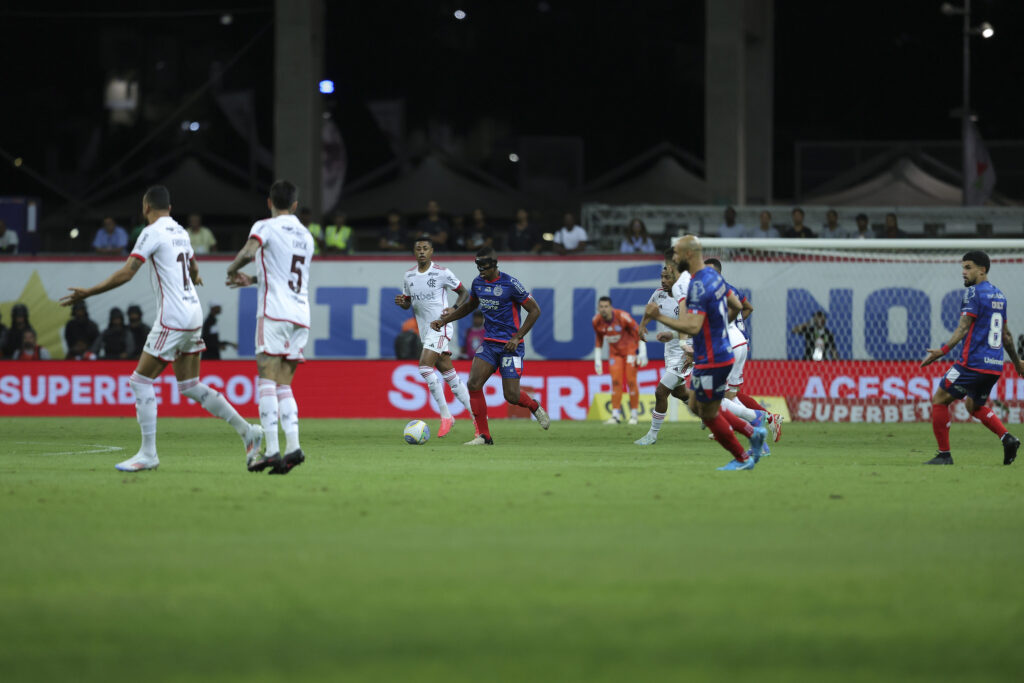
point(437, 341)
point(168, 345)
point(676, 370)
point(280, 338)
point(739, 355)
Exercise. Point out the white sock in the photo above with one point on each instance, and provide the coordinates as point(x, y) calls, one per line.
point(214, 403)
point(458, 388)
point(145, 411)
point(436, 390)
point(656, 420)
point(288, 411)
point(268, 415)
point(739, 410)
point(616, 413)
point(632, 413)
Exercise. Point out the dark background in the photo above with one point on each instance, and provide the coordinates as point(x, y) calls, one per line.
point(622, 76)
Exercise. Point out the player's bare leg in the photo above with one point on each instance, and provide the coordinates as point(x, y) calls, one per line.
point(478, 374)
point(616, 371)
point(148, 369)
point(634, 390)
point(515, 395)
point(661, 395)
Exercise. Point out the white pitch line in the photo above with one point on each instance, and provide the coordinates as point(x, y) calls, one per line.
point(96, 448)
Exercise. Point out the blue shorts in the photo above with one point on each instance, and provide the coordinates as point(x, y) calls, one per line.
point(510, 363)
point(960, 381)
point(710, 384)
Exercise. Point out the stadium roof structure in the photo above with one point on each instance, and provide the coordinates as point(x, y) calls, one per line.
point(194, 189)
point(658, 176)
point(456, 188)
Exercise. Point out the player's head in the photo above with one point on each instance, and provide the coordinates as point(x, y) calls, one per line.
point(669, 275)
point(604, 307)
point(975, 267)
point(487, 263)
point(156, 200)
point(423, 248)
point(714, 263)
point(283, 197)
point(686, 247)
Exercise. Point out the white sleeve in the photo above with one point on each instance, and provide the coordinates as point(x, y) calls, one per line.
point(451, 281)
point(145, 245)
point(260, 232)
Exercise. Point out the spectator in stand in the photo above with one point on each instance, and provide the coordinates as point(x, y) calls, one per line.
point(80, 333)
point(8, 239)
point(474, 336)
point(864, 231)
point(892, 228)
point(140, 225)
point(730, 228)
point(393, 237)
point(139, 329)
point(29, 349)
point(523, 236)
point(832, 229)
point(570, 238)
point(480, 234)
point(305, 217)
point(111, 239)
point(211, 334)
point(799, 230)
point(408, 345)
point(457, 235)
point(19, 325)
point(201, 237)
point(636, 241)
point(435, 225)
point(116, 342)
point(819, 342)
point(765, 229)
point(338, 235)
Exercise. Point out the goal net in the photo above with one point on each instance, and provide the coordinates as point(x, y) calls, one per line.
point(840, 327)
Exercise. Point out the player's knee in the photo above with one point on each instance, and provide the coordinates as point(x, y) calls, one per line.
point(194, 389)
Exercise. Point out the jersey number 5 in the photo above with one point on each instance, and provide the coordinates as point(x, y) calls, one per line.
point(298, 261)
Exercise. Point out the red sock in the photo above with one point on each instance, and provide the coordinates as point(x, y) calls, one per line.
point(940, 425)
point(478, 404)
point(724, 435)
point(737, 423)
point(526, 402)
point(990, 420)
point(748, 401)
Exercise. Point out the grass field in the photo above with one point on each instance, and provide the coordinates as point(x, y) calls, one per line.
point(566, 555)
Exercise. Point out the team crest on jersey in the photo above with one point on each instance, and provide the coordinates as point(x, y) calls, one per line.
point(431, 283)
point(498, 290)
point(698, 288)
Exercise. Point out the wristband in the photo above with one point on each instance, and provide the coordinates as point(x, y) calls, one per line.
point(945, 349)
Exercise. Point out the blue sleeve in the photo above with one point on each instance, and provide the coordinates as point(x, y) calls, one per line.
point(519, 293)
point(695, 297)
point(971, 303)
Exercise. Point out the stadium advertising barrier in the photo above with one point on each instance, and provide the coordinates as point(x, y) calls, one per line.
point(876, 310)
point(810, 391)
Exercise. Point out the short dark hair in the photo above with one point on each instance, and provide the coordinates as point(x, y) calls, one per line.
point(605, 298)
point(714, 263)
point(283, 194)
point(795, 209)
point(862, 217)
point(158, 197)
point(486, 252)
point(979, 258)
point(670, 254)
point(422, 238)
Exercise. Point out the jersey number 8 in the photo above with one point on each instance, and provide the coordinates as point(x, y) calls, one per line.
point(995, 331)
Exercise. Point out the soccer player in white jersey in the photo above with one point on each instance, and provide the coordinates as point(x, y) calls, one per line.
point(670, 297)
point(424, 288)
point(738, 340)
point(176, 336)
point(283, 250)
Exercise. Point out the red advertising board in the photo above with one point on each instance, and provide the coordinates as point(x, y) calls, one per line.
point(858, 391)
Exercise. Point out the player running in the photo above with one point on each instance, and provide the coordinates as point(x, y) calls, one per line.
point(739, 343)
point(500, 296)
point(283, 249)
point(625, 352)
point(983, 322)
point(677, 365)
point(176, 336)
point(424, 290)
point(706, 320)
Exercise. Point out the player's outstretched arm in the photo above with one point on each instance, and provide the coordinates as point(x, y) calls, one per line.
point(245, 255)
point(1011, 350)
point(403, 301)
point(959, 333)
point(687, 323)
point(532, 315)
point(457, 314)
point(118, 278)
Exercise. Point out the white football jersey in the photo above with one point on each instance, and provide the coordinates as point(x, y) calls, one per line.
point(427, 291)
point(679, 290)
point(166, 246)
point(669, 307)
point(282, 267)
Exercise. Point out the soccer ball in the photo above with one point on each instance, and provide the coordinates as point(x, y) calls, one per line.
point(416, 432)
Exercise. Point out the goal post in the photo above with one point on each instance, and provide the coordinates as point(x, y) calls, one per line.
point(839, 327)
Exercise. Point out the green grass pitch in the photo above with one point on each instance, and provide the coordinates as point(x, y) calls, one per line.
point(552, 556)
